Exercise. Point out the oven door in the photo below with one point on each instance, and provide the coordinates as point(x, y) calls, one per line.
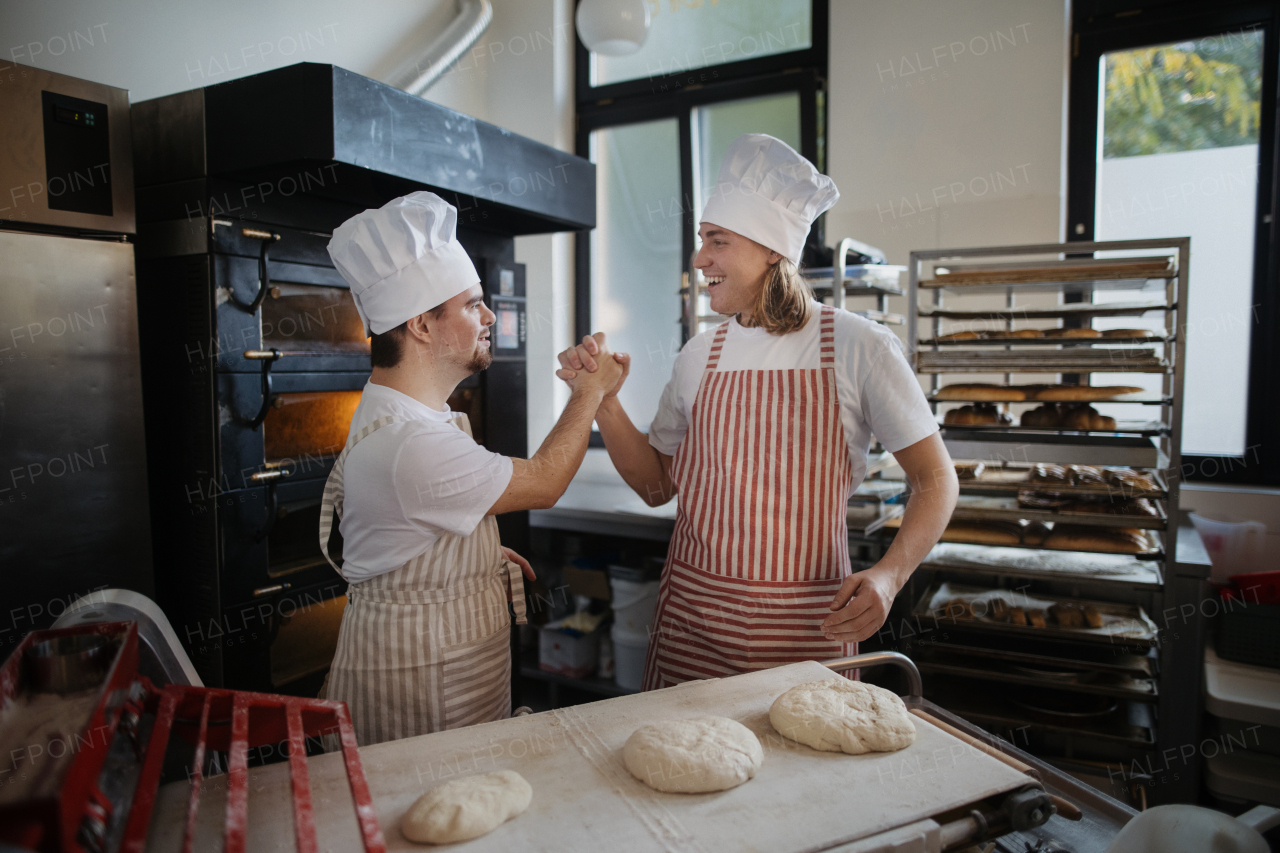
point(270, 538)
point(283, 643)
point(303, 430)
point(304, 306)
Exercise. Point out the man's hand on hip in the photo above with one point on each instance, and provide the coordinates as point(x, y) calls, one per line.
point(861, 606)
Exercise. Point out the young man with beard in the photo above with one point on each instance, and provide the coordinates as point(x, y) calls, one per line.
point(424, 642)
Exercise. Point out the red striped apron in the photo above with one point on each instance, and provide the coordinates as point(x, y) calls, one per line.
point(761, 542)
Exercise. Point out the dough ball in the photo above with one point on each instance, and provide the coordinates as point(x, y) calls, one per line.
point(466, 808)
point(693, 756)
point(839, 715)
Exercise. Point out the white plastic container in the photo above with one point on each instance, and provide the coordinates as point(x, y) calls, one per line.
point(634, 604)
point(629, 652)
point(1235, 546)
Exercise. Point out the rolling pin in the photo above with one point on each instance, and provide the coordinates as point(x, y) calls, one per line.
point(1066, 808)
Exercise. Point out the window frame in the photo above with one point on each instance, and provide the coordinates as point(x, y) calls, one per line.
point(815, 57)
point(1103, 26)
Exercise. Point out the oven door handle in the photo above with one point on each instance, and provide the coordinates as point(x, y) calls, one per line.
point(268, 358)
point(264, 280)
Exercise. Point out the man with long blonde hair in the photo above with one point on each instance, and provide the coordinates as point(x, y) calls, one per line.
point(763, 432)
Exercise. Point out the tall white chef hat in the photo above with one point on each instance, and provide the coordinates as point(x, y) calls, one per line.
point(768, 192)
point(402, 259)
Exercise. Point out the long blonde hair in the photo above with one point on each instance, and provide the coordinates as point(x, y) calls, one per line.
point(785, 301)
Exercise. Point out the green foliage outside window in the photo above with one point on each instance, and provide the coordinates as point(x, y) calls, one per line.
point(1183, 97)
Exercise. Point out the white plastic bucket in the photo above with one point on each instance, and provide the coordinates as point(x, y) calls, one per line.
point(629, 651)
point(1235, 546)
point(634, 604)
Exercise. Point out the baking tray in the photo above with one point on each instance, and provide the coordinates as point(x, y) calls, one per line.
point(1140, 397)
point(1014, 479)
point(1092, 567)
point(983, 508)
point(1128, 665)
point(1095, 360)
point(1148, 428)
point(1123, 624)
point(1075, 309)
point(859, 279)
point(1138, 690)
point(1117, 451)
point(1154, 551)
point(1075, 343)
point(996, 714)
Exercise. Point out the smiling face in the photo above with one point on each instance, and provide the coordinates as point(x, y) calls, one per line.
point(460, 331)
point(734, 267)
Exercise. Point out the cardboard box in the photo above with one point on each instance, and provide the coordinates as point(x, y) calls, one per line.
point(575, 655)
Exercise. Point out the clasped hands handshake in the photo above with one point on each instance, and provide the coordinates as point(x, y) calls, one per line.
point(591, 366)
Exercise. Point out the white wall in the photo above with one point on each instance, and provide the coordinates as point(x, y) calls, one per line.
point(945, 122)
point(519, 76)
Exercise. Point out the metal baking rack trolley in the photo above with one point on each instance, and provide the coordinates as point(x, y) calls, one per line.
point(1033, 319)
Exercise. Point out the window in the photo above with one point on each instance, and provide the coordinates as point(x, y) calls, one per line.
point(686, 35)
point(1171, 136)
point(657, 136)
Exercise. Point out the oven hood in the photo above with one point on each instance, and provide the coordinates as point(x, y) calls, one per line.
point(330, 133)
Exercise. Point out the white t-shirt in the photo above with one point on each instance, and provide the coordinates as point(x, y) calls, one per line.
point(407, 483)
point(878, 392)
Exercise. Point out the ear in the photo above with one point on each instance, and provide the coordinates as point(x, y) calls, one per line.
point(774, 257)
point(417, 328)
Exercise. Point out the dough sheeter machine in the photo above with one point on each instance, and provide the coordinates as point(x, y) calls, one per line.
point(953, 787)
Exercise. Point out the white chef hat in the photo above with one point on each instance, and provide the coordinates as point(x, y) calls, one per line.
point(769, 193)
point(402, 259)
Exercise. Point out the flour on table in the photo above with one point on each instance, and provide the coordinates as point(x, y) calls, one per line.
point(839, 715)
point(466, 808)
point(693, 756)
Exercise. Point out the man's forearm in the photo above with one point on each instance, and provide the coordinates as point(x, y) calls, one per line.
point(629, 450)
point(563, 449)
point(926, 515)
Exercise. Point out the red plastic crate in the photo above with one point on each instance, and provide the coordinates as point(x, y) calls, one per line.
point(177, 709)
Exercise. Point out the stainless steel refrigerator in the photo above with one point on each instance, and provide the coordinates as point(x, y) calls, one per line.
point(73, 478)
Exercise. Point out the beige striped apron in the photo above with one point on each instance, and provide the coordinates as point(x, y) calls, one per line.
point(426, 646)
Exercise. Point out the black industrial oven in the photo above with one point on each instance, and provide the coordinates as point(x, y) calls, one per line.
point(253, 354)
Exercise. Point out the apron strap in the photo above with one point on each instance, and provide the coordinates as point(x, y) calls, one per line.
point(827, 336)
point(515, 589)
point(334, 492)
point(717, 344)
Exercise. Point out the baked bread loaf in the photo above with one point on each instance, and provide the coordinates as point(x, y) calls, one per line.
point(1111, 540)
point(963, 336)
point(1083, 393)
point(1043, 500)
point(1050, 474)
point(1128, 333)
point(1067, 615)
point(977, 414)
point(1137, 506)
point(1072, 333)
point(969, 470)
point(981, 391)
point(1023, 333)
point(1047, 416)
point(1036, 619)
point(1061, 416)
point(984, 532)
point(1086, 475)
point(1128, 479)
point(1035, 533)
point(1092, 617)
point(1017, 616)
